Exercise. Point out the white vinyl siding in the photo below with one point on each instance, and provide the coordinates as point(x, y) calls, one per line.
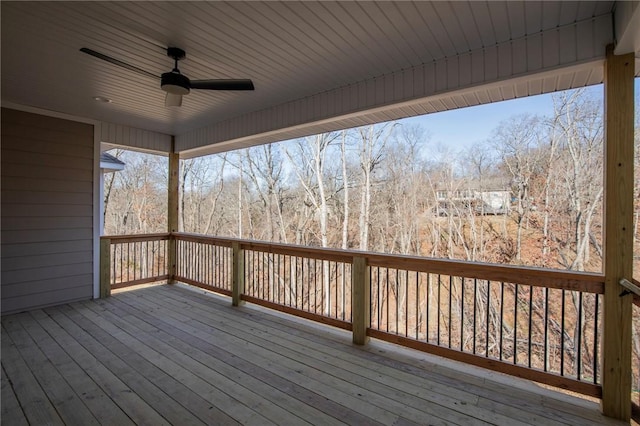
point(47, 211)
point(114, 135)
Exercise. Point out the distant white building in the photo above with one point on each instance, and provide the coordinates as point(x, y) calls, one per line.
point(492, 197)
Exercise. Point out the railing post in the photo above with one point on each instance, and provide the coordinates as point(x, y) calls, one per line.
point(105, 268)
point(173, 210)
point(618, 234)
point(360, 299)
point(238, 274)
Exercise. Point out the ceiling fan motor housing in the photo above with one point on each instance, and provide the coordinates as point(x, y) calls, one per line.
point(175, 83)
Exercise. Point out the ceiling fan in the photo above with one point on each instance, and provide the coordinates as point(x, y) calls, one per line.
point(174, 83)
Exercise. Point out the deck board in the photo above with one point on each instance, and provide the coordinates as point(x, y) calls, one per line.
point(169, 355)
point(202, 379)
point(72, 340)
point(32, 398)
point(437, 390)
point(300, 399)
point(11, 411)
point(381, 390)
point(96, 401)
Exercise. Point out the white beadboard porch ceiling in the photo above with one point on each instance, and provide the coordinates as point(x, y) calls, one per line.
point(316, 66)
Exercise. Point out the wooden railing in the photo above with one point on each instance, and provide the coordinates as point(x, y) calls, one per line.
point(314, 284)
point(128, 260)
point(538, 324)
point(205, 262)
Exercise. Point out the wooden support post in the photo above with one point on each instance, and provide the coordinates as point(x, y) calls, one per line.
point(360, 299)
point(618, 246)
point(238, 274)
point(173, 206)
point(105, 268)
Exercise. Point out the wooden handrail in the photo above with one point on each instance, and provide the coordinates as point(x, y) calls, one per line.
point(319, 253)
point(118, 239)
point(568, 280)
point(204, 239)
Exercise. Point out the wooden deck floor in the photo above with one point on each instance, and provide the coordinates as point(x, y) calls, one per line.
point(169, 355)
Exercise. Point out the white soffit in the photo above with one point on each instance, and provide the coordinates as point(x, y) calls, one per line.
point(576, 76)
point(316, 66)
point(548, 61)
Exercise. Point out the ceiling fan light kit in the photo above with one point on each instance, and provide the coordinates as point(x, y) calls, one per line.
point(174, 83)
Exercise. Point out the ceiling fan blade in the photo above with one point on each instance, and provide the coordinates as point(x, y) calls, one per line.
point(228, 84)
point(117, 62)
point(173, 100)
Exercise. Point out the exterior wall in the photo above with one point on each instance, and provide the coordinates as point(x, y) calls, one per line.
point(47, 211)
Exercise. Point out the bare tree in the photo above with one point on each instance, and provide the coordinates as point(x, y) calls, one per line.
point(345, 190)
point(580, 131)
point(371, 144)
point(518, 142)
point(309, 164)
point(137, 200)
point(109, 180)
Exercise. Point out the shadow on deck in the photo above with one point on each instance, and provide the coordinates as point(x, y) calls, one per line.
point(171, 355)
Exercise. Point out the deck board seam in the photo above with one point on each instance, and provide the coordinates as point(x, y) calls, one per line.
point(91, 394)
point(69, 406)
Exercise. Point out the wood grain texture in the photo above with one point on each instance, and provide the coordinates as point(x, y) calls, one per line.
point(568, 280)
point(105, 268)
point(173, 209)
point(237, 286)
point(167, 354)
point(361, 299)
point(618, 235)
